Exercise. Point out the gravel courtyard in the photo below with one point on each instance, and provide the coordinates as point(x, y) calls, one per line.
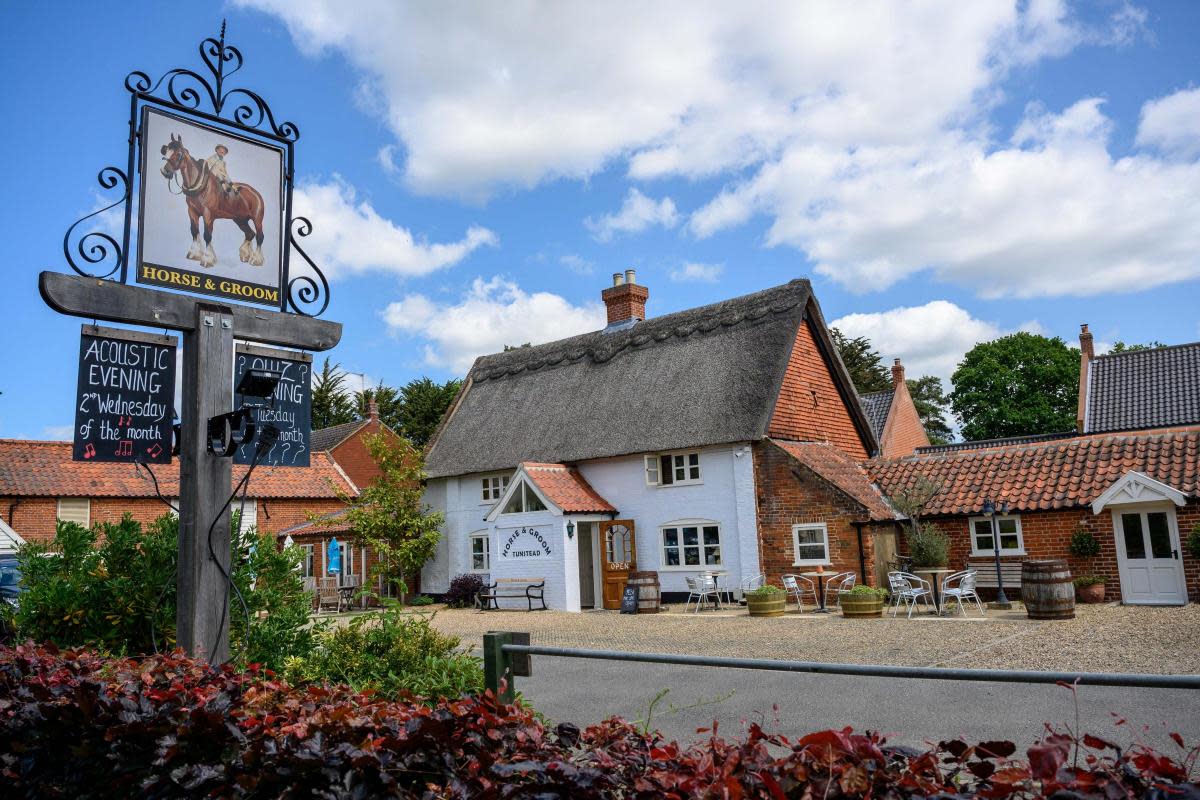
point(1106, 638)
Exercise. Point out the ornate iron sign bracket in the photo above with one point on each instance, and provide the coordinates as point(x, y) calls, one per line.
point(98, 254)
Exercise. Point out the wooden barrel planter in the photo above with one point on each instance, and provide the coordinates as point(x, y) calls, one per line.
point(862, 605)
point(648, 590)
point(1047, 589)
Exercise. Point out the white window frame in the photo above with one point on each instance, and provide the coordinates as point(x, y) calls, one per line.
point(249, 518)
point(977, 551)
point(810, 562)
point(87, 510)
point(679, 525)
point(653, 465)
point(492, 488)
point(486, 536)
point(525, 489)
point(308, 563)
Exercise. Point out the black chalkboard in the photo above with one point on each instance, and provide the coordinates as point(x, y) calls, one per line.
point(629, 600)
point(125, 396)
point(291, 411)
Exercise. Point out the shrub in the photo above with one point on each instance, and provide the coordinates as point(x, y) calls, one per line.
point(463, 591)
point(421, 600)
point(928, 546)
point(77, 725)
point(1084, 544)
point(862, 590)
point(390, 652)
point(118, 595)
point(765, 591)
point(1194, 541)
point(1088, 580)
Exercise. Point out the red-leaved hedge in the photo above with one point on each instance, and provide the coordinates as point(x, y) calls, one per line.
point(76, 724)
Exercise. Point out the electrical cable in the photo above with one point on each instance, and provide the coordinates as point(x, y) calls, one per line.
point(154, 478)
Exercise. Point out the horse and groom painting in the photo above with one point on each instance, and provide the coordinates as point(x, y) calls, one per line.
point(192, 210)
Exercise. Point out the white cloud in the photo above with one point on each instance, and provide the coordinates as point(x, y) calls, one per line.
point(490, 315)
point(1172, 124)
point(577, 265)
point(349, 236)
point(706, 273)
point(637, 213)
point(58, 432)
point(929, 339)
point(387, 159)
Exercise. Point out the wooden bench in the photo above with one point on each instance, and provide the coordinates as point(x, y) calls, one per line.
point(986, 573)
point(528, 588)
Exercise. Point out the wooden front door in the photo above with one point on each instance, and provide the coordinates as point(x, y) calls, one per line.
point(618, 557)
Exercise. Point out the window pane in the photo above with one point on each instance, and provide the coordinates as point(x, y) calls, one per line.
point(983, 542)
point(694, 459)
point(1131, 526)
point(712, 535)
point(680, 474)
point(694, 473)
point(809, 536)
point(810, 552)
point(671, 537)
point(691, 536)
point(1009, 542)
point(504, 481)
point(668, 473)
point(691, 556)
point(1160, 535)
point(712, 556)
point(514, 504)
point(1006, 526)
point(532, 501)
point(672, 556)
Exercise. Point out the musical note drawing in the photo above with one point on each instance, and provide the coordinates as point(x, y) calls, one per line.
point(155, 450)
point(89, 450)
point(124, 422)
point(125, 448)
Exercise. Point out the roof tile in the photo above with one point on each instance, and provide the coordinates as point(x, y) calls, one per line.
point(566, 488)
point(842, 471)
point(1142, 389)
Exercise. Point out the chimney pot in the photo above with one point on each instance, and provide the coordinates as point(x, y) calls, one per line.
point(630, 276)
point(618, 279)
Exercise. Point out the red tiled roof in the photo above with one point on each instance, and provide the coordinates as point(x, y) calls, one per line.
point(45, 469)
point(566, 488)
point(1062, 473)
point(839, 469)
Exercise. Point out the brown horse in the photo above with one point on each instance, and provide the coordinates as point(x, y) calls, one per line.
point(207, 201)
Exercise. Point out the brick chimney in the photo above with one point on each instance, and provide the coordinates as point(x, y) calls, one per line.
point(897, 374)
point(625, 300)
point(1086, 353)
point(372, 410)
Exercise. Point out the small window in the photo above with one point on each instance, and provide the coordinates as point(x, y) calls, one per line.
point(672, 469)
point(691, 545)
point(810, 545)
point(492, 487)
point(1009, 530)
point(481, 559)
point(306, 566)
point(524, 500)
point(75, 509)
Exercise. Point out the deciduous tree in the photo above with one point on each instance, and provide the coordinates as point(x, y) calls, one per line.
point(931, 403)
point(1017, 385)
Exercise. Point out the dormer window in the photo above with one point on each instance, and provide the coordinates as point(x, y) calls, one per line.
point(524, 500)
point(673, 469)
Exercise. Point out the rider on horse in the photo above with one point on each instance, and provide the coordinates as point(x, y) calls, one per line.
point(216, 165)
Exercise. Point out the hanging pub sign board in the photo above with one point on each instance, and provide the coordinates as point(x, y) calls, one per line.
point(212, 210)
point(290, 409)
point(125, 401)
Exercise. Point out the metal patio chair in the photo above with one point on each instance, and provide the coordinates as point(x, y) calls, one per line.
point(750, 584)
point(961, 586)
point(797, 586)
point(699, 588)
point(909, 589)
point(836, 585)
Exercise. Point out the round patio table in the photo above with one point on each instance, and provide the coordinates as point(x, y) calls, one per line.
point(719, 576)
point(820, 576)
point(935, 577)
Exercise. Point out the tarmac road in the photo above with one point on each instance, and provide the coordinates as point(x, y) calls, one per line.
point(909, 711)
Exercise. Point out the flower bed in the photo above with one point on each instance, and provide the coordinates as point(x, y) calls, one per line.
point(79, 725)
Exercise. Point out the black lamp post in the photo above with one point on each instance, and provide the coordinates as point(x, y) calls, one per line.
point(990, 509)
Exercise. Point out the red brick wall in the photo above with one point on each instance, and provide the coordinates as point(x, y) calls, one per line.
point(903, 433)
point(809, 407)
point(1047, 534)
point(34, 518)
point(627, 301)
point(789, 494)
point(353, 457)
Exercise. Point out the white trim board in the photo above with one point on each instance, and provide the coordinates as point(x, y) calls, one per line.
point(1137, 487)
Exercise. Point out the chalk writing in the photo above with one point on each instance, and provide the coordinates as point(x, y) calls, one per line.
point(289, 409)
point(124, 400)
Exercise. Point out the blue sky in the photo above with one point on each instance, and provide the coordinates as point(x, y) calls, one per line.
point(476, 173)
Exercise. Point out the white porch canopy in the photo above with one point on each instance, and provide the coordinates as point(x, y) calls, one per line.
point(1137, 487)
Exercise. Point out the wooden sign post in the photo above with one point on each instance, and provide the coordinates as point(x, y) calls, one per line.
point(205, 480)
point(203, 232)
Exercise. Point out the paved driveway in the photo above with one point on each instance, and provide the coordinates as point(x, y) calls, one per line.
point(1106, 638)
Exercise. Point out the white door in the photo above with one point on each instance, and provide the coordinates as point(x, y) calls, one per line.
point(1148, 557)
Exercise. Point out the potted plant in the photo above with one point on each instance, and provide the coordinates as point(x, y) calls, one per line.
point(863, 601)
point(1089, 588)
point(928, 547)
point(766, 601)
